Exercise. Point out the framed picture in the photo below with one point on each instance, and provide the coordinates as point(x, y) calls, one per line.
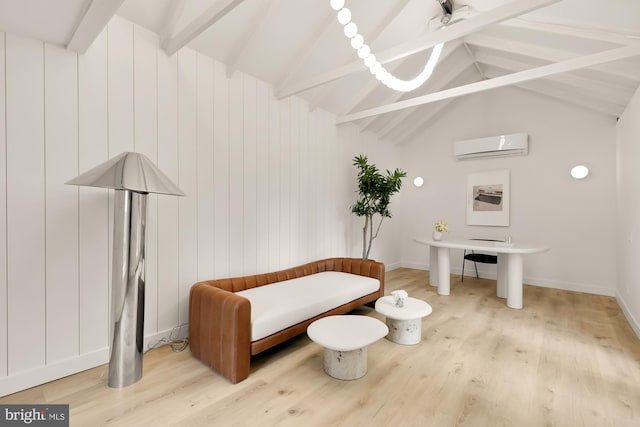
point(488, 198)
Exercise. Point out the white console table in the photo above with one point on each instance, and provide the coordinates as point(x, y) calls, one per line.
point(509, 264)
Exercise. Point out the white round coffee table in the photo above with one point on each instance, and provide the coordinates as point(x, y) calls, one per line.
point(345, 340)
point(405, 323)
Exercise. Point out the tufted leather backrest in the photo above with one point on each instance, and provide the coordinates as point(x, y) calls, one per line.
point(362, 267)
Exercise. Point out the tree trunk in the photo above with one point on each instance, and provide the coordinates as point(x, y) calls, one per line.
point(365, 252)
point(370, 235)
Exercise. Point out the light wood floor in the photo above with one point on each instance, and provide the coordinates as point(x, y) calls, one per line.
point(566, 359)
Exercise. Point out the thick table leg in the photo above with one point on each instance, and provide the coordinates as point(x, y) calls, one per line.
point(444, 278)
point(405, 332)
point(345, 365)
point(503, 278)
point(514, 291)
point(433, 266)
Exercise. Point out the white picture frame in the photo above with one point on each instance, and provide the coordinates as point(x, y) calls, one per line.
point(488, 198)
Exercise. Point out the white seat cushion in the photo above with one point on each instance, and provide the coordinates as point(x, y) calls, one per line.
point(280, 305)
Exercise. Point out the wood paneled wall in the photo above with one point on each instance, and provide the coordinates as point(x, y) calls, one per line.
point(261, 178)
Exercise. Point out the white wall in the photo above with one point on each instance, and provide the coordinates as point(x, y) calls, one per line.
point(269, 185)
point(261, 177)
point(628, 220)
point(574, 218)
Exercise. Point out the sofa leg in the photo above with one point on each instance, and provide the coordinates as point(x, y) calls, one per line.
point(239, 377)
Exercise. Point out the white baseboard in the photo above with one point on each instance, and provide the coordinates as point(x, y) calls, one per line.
point(415, 265)
point(532, 281)
point(392, 266)
point(43, 374)
point(570, 286)
point(635, 325)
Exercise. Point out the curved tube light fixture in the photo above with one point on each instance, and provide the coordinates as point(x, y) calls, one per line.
point(375, 67)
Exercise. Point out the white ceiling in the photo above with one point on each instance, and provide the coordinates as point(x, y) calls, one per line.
point(584, 52)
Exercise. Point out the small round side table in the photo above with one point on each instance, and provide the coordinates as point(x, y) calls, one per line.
point(405, 323)
point(345, 340)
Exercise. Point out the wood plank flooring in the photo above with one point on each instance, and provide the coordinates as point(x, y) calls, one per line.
point(566, 359)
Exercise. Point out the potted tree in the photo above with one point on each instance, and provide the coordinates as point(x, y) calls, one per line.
point(375, 191)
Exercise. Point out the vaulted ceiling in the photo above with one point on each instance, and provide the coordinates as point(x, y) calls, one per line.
point(583, 52)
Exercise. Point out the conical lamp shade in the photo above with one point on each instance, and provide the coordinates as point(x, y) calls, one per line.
point(128, 171)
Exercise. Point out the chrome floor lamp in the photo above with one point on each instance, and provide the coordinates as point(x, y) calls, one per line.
point(132, 176)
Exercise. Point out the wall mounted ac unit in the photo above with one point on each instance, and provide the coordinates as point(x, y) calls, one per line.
point(515, 144)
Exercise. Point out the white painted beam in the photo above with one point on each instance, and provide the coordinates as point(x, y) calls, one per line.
point(366, 90)
point(433, 84)
point(406, 132)
point(264, 12)
point(473, 58)
point(574, 98)
point(95, 18)
point(537, 51)
point(394, 96)
point(388, 19)
point(573, 29)
point(420, 118)
point(171, 17)
point(304, 53)
point(454, 75)
point(445, 34)
point(209, 17)
point(568, 95)
point(599, 89)
point(532, 74)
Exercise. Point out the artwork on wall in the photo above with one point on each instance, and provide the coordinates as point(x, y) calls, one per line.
point(488, 198)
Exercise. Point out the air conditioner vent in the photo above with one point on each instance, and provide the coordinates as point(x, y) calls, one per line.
point(516, 144)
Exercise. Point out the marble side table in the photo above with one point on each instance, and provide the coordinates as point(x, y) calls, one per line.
point(345, 340)
point(405, 323)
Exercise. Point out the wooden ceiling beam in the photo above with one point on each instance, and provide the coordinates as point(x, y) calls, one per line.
point(522, 76)
point(566, 94)
point(599, 89)
point(446, 74)
point(420, 117)
point(574, 30)
point(457, 75)
point(200, 24)
point(388, 19)
point(307, 49)
point(171, 17)
point(460, 29)
point(372, 84)
point(94, 20)
point(537, 51)
point(434, 83)
point(265, 11)
point(417, 125)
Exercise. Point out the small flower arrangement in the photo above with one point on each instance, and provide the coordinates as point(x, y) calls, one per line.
point(441, 226)
point(399, 296)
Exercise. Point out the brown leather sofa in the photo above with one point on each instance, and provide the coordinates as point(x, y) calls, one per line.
point(220, 320)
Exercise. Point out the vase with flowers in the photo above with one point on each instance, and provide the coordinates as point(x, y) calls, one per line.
point(439, 228)
point(399, 297)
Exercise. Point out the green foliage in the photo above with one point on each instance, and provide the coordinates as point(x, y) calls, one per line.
point(375, 191)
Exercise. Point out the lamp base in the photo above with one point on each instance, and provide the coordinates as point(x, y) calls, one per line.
point(127, 291)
